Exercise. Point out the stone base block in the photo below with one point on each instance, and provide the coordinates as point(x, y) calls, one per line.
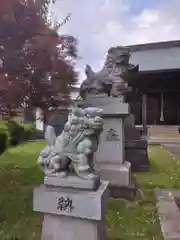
point(129, 193)
point(138, 159)
point(72, 214)
point(57, 228)
point(72, 181)
point(136, 153)
point(111, 106)
point(122, 184)
point(116, 174)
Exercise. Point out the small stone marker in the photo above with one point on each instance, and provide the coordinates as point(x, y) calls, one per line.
point(72, 198)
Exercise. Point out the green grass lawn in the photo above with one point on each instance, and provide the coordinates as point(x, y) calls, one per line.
point(19, 174)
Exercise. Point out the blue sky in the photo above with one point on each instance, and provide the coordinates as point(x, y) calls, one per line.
point(137, 6)
point(101, 24)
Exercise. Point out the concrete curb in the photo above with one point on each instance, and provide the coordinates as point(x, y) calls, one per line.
point(169, 215)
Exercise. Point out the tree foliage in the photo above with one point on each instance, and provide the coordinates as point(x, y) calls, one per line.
point(36, 63)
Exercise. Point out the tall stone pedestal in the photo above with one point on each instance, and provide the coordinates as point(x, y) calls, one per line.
point(71, 212)
point(110, 155)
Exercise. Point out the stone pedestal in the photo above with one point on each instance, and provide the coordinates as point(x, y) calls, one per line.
point(71, 212)
point(136, 153)
point(110, 155)
point(135, 146)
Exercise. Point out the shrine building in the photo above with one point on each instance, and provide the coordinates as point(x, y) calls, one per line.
point(155, 97)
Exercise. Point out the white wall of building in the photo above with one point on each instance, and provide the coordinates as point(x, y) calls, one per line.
point(157, 59)
point(39, 119)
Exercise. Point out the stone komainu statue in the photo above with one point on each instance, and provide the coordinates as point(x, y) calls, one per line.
point(112, 79)
point(74, 148)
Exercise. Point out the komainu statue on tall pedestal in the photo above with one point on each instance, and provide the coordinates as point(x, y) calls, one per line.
point(112, 81)
point(73, 149)
point(113, 78)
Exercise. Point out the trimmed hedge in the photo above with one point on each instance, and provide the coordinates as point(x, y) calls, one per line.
point(13, 133)
point(4, 137)
point(28, 132)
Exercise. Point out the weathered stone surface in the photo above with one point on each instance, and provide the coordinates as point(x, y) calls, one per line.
point(57, 228)
point(130, 132)
point(72, 181)
point(111, 106)
point(86, 204)
point(111, 142)
point(117, 174)
point(72, 214)
point(117, 71)
point(129, 192)
point(109, 156)
point(73, 149)
point(135, 146)
point(73, 206)
point(95, 92)
point(136, 153)
point(112, 79)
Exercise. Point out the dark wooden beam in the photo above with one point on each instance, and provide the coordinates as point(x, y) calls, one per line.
point(144, 114)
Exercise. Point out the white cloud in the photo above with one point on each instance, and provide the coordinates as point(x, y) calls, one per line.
point(147, 18)
point(101, 24)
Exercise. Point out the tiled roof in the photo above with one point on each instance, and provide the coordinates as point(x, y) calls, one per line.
point(154, 45)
